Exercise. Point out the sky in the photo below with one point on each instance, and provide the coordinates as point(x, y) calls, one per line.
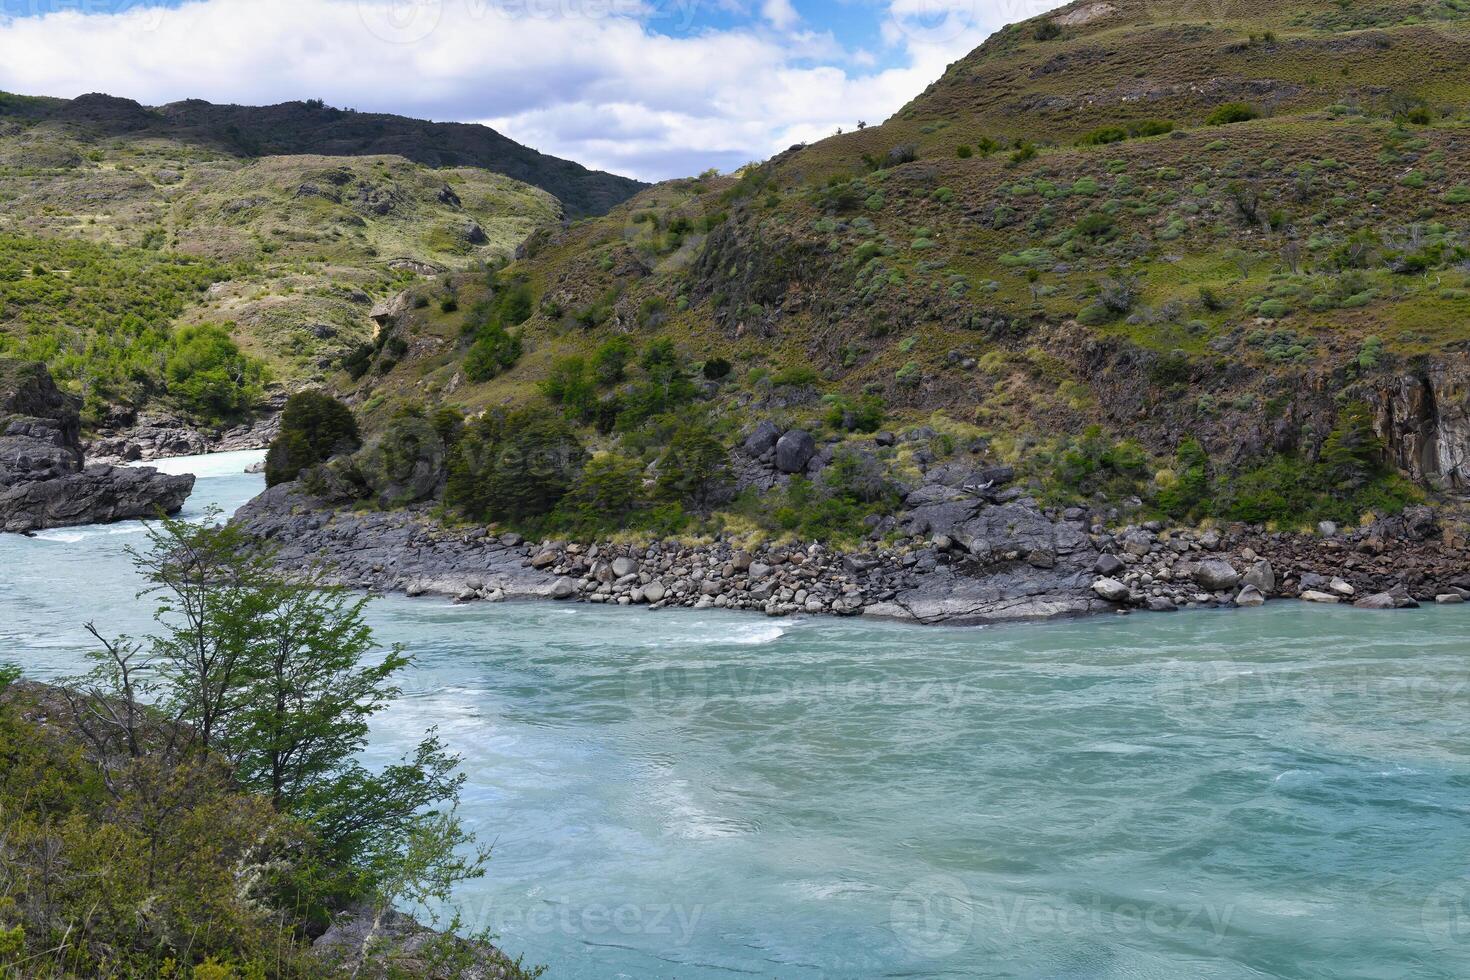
point(648, 88)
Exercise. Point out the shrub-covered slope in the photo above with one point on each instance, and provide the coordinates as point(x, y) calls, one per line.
point(113, 244)
point(1109, 237)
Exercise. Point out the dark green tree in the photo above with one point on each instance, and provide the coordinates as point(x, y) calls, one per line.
point(314, 428)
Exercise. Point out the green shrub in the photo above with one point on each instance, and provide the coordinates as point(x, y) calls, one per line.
point(610, 360)
point(964, 151)
point(1231, 112)
point(514, 468)
point(694, 469)
point(716, 368)
point(314, 428)
point(1104, 136)
point(1047, 30)
point(609, 489)
point(209, 377)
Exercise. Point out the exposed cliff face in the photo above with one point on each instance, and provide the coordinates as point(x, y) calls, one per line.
point(43, 482)
point(1424, 418)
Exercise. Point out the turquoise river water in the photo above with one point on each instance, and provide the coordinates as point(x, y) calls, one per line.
point(1279, 792)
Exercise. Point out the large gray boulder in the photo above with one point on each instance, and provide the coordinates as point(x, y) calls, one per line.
point(762, 438)
point(1216, 575)
point(794, 450)
point(1261, 577)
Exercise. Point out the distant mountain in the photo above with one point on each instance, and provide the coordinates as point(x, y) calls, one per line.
point(314, 128)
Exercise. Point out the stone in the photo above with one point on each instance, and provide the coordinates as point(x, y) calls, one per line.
point(1340, 587)
point(1111, 589)
point(1326, 528)
point(762, 439)
point(794, 451)
point(624, 566)
point(1449, 599)
point(544, 559)
point(1138, 543)
point(1108, 565)
point(1216, 575)
point(564, 588)
point(1250, 595)
point(1395, 598)
point(1311, 595)
point(759, 570)
point(654, 592)
point(1261, 577)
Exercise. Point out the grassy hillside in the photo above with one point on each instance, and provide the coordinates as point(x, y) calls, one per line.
point(1108, 235)
point(112, 243)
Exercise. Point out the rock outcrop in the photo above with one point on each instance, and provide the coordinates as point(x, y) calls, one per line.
point(1424, 420)
point(43, 480)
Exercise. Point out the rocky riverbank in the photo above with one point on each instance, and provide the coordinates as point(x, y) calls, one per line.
point(969, 558)
point(44, 480)
point(130, 438)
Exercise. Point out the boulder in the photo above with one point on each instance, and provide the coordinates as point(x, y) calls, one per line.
point(1261, 577)
point(624, 566)
point(762, 438)
point(1109, 565)
point(1111, 589)
point(1449, 599)
point(1396, 598)
point(794, 451)
point(1341, 587)
point(654, 592)
point(1250, 595)
point(564, 588)
point(1216, 575)
point(1311, 595)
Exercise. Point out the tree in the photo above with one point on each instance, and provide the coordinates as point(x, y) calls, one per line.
point(606, 493)
point(314, 428)
point(206, 373)
point(279, 676)
point(694, 468)
point(514, 467)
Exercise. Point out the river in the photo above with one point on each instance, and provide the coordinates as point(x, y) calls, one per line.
point(1276, 792)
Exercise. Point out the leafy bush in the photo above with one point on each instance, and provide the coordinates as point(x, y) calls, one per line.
point(1103, 136)
point(1047, 30)
point(314, 428)
point(1231, 112)
point(608, 491)
point(208, 376)
point(864, 415)
point(571, 385)
point(716, 368)
point(611, 359)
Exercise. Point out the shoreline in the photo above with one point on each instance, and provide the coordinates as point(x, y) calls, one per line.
point(1052, 566)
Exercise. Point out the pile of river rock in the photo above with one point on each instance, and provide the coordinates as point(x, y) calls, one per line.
point(1394, 564)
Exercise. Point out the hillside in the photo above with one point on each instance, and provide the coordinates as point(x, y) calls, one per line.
point(113, 244)
point(1115, 246)
point(311, 128)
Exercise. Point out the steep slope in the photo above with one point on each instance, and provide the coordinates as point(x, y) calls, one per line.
point(1239, 222)
point(295, 128)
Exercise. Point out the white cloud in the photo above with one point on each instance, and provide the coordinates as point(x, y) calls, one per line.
point(592, 80)
point(780, 13)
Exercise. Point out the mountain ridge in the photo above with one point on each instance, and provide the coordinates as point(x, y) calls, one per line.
point(311, 127)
